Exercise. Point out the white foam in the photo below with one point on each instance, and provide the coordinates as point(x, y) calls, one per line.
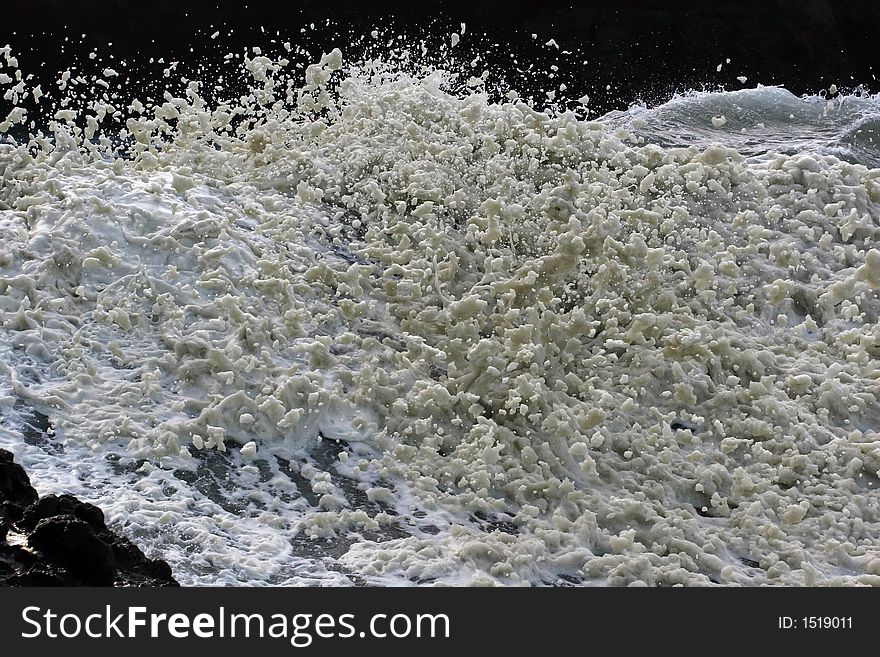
point(554, 348)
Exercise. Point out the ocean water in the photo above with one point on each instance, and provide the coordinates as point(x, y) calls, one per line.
point(376, 323)
point(763, 120)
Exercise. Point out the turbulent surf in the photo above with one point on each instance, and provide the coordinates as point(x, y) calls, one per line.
point(376, 323)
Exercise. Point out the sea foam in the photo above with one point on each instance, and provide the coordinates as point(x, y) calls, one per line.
point(375, 323)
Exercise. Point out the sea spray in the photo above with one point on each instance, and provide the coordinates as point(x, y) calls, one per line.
point(376, 322)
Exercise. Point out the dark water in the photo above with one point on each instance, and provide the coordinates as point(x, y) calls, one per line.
point(621, 51)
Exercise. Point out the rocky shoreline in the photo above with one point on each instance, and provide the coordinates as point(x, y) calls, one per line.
point(58, 540)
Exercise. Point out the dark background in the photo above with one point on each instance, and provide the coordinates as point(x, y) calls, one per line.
point(643, 49)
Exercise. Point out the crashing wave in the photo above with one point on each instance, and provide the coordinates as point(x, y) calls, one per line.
point(454, 337)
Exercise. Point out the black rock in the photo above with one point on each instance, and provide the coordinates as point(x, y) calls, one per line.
point(16, 491)
point(39, 576)
point(60, 505)
point(73, 544)
point(62, 541)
